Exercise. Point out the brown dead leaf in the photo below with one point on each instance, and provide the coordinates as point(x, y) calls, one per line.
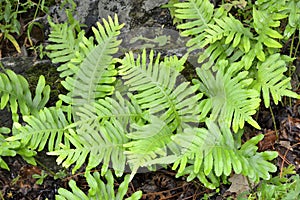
point(239, 184)
point(268, 141)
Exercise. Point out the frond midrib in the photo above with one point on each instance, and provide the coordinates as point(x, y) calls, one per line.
point(103, 49)
point(164, 90)
point(199, 14)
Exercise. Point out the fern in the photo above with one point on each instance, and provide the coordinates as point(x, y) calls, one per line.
point(100, 135)
point(229, 97)
point(284, 186)
point(15, 93)
point(154, 117)
point(7, 148)
point(12, 148)
point(45, 128)
point(101, 132)
point(96, 73)
point(213, 152)
point(98, 189)
point(171, 107)
point(155, 83)
point(88, 68)
point(65, 44)
point(224, 37)
point(293, 18)
point(200, 15)
point(232, 30)
point(271, 80)
point(263, 22)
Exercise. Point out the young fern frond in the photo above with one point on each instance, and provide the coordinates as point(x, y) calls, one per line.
point(272, 81)
point(45, 128)
point(229, 98)
point(98, 189)
point(213, 153)
point(14, 91)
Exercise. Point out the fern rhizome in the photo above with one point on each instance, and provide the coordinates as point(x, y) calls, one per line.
point(153, 118)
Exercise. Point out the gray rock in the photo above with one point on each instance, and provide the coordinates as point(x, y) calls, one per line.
point(128, 11)
point(150, 4)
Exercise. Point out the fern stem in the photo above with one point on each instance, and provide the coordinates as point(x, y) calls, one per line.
point(291, 48)
point(274, 122)
point(296, 49)
point(45, 167)
point(291, 55)
point(250, 185)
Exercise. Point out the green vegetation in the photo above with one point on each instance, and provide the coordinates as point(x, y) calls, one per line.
point(9, 19)
point(195, 127)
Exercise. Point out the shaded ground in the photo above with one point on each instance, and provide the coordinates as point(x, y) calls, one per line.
point(18, 183)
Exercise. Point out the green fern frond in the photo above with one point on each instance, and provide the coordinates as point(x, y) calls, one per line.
point(271, 5)
point(216, 35)
point(199, 15)
point(65, 46)
point(96, 73)
point(264, 23)
point(105, 144)
point(217, 52)
point(293, 8)
point(213, 153)
point(231, 29)
point(12, 148)
point(157, 89)
point(171, 105)
point(14, 91)
point(45, 128)
point(106, 109)
point(229, 99)
point(101, 130)
point(7, 148)
point(68, 156)
point(255, 164)
point(272, 81)
point(149, 142)
point(98, 189)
